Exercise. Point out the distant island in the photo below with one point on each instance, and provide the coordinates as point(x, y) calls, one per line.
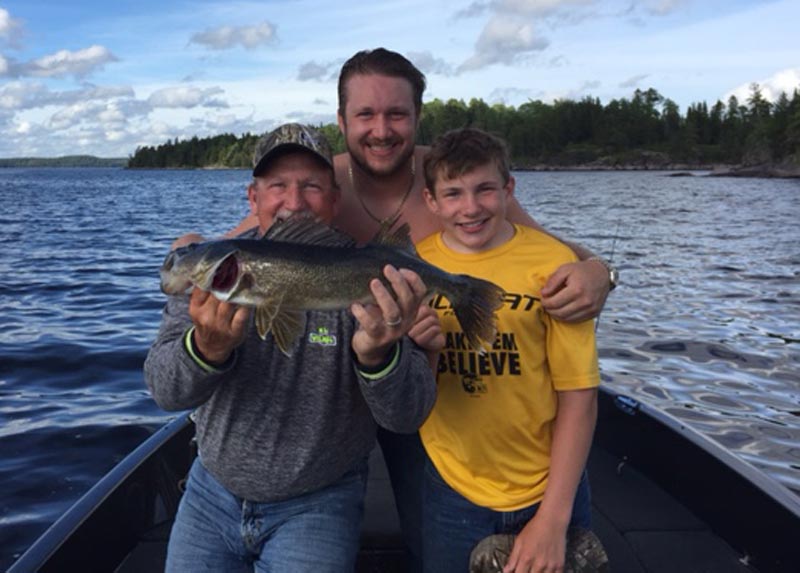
point(65, 161)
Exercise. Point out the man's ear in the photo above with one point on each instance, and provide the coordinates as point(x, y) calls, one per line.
point(251, 197)
point(340, 121)
point(430, 201)
point(510, 186)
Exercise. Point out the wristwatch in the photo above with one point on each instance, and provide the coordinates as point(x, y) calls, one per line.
point(613, 273)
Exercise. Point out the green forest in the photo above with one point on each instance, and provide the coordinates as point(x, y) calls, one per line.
point(646, 130)
point(65, 161)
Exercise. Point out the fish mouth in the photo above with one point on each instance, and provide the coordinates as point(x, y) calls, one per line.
point(226, 274)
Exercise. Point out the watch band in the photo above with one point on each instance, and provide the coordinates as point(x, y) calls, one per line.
point(613, 273)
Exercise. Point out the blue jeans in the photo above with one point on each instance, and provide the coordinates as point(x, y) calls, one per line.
point(217, 531)
point(405, 461)
point(452, 526)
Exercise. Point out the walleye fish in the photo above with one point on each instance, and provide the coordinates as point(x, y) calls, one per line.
point(302, 264)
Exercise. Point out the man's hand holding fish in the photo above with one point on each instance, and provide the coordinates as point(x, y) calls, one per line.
point(382, 324)
point(219, 327)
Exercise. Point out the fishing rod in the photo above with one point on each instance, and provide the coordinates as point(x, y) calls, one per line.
point(610, 262)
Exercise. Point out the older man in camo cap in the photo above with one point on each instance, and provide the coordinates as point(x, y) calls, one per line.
point(292, 172)
point(283, 441)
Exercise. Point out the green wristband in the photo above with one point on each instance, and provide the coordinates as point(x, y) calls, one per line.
point(196, 355)
point(382, 369)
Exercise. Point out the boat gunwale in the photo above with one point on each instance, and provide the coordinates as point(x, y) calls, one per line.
point(55, 536)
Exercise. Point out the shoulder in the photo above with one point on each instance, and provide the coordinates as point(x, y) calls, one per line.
point(558, 251)
point(341, 160)
point(187, 239)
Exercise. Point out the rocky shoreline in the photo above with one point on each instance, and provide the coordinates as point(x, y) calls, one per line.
point(657, 161)
point(763, 171)
point(683, 170)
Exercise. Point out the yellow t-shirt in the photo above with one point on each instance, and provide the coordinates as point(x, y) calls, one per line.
point(490, 431)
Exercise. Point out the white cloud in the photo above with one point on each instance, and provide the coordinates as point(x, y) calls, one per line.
point(313, 71)
point(663, 7)
point(509, 35)
point(536, 7)
point(429, 64)
point(10, 28)
point(502, 41)
point(21, 95)
point(65, 63)
point(311, 118)
point(585, 89)
point(215, 124)
point(510, 96)
point(74, 114)
point(513, 32)
point(226, 37)
point(471, 11)
point(26, 95)
point(187, 97)
point(784, 81)
point(112, 115)
point(633, 81)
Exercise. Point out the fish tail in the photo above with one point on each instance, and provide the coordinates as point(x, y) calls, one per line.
point(474, 304)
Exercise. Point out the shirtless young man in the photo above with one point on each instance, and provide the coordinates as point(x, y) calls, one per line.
point(380, 102)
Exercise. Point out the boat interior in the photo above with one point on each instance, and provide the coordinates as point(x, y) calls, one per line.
point(663, 502)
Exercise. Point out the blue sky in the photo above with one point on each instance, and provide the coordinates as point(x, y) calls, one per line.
point(105, 77)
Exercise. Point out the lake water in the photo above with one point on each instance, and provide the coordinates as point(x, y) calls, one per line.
point(705, 324)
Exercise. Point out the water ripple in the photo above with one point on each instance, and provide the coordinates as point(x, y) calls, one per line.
point(704, 325)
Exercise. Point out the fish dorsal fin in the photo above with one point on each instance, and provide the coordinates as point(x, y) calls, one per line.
point(399, 238)
point(307, 230)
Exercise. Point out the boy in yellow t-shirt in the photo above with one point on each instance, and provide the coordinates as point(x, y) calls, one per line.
point(509, 435)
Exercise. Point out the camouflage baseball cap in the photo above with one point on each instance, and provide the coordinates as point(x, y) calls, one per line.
point(584, 553)
point(288, 136)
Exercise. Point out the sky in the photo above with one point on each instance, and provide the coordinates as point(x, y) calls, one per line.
point(102, 78)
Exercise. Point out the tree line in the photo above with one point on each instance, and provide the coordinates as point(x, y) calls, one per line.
point(65, 161)
point(647, 129)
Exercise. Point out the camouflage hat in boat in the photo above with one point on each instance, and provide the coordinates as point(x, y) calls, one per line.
point(290, 136)
point(585, 553)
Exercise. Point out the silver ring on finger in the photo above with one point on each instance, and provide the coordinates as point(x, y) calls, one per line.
point(394, 322)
